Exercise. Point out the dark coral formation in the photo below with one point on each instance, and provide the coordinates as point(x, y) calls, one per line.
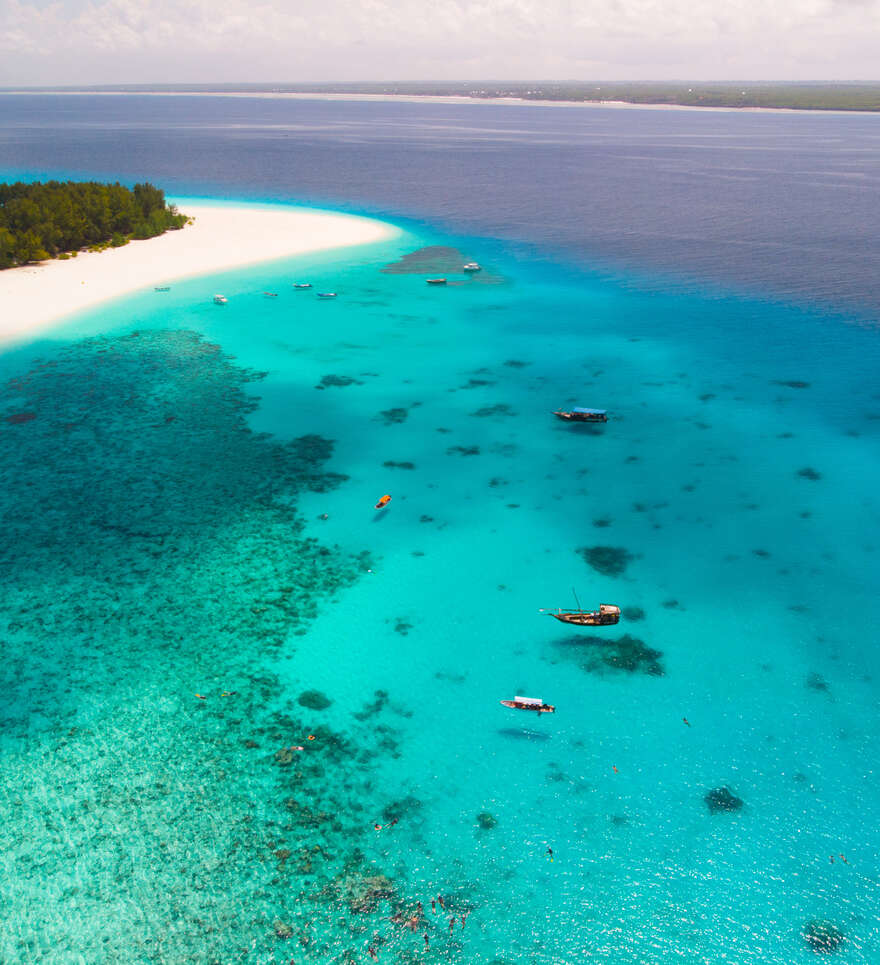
point(632, 613)
point(823, 936)
point(329, 381)
point(793, 384)
point(815, 681)
point(809, 473)
point(431, 260)
point(394, 416)
point(463, 451)
point(486, 821)
point(601, 654)
point(314, 700)
point(722, 799)
point(607, 560)
point(500, 408)
point(390, 464)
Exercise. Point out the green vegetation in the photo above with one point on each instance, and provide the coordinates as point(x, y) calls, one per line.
point(58, 219)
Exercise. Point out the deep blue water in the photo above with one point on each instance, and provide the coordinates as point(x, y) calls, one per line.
point(784, 203)
point(163, 499)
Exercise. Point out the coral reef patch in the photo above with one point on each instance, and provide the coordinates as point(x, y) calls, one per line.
point(153, 568)
point(823, 936)
point(607, 560)
point(722, 799)
point(600, 654)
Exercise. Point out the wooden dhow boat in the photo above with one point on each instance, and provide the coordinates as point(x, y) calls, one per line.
point(530, 703)
point(436, 281)
point(581, 414)
point(606, 616)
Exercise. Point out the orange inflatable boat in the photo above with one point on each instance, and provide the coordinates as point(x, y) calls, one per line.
point(383, 502)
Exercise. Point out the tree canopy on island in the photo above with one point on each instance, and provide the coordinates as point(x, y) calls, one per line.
point(40, 221)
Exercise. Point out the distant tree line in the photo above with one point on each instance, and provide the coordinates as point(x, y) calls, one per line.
point(57, 219)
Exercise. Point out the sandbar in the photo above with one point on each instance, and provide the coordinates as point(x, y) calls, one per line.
point(35, 297)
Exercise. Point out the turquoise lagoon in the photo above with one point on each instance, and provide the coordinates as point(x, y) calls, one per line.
point(167, 468)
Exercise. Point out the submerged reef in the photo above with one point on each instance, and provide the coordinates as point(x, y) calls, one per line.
point(600, 654)
point(329, 381)
point(822, 935)
point(486, 821)
point(153, 569)
point(500, 408)
point(722, 799)
point(809, 473)
point(314, 700)
point(432, 259)
point(607, 560)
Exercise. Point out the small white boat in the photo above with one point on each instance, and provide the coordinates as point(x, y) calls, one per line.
point(220, 299)
point(471, 266)
point(302, 284)
point(163, 288)
point(326, 294)
point(271, 294)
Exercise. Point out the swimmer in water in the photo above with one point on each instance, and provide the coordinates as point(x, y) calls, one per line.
point(440, 902)
point(377, 827)
point(451, 923)
point(550, 852)
point(464, 918)
point(434, 906)
point(425, 936)
point(686, 721)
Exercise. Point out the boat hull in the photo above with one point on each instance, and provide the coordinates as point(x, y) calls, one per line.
point(588, 619)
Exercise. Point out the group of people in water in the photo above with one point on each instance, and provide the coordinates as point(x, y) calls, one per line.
point(414, 921)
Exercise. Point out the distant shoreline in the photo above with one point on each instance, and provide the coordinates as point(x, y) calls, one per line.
point(512, 100)
point(34, 297)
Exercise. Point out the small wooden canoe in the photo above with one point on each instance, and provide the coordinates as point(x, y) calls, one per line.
point(436, 281)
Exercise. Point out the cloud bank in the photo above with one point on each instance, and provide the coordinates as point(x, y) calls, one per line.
point(168, 41)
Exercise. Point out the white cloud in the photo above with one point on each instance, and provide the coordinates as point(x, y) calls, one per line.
point(118, 41)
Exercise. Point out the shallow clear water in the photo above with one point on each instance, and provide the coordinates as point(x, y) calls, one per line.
point(163, 510)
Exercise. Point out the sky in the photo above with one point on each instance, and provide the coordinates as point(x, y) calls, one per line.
point(71, 42)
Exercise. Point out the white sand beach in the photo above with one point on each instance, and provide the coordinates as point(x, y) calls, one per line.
point(34, 297)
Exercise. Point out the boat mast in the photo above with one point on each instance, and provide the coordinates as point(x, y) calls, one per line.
point(576, 600)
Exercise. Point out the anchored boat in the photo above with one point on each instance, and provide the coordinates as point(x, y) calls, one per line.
point(530, 703)
point(606, 616)
point(326, 294)
point(436, 281)
point(471, 266)
point(581, 414)
point(302, 284)
point(220, 299)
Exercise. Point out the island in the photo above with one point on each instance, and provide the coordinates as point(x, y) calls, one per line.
point(744, 95)
point(58, 219)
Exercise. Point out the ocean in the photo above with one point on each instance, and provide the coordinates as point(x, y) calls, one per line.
point(247, 717)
